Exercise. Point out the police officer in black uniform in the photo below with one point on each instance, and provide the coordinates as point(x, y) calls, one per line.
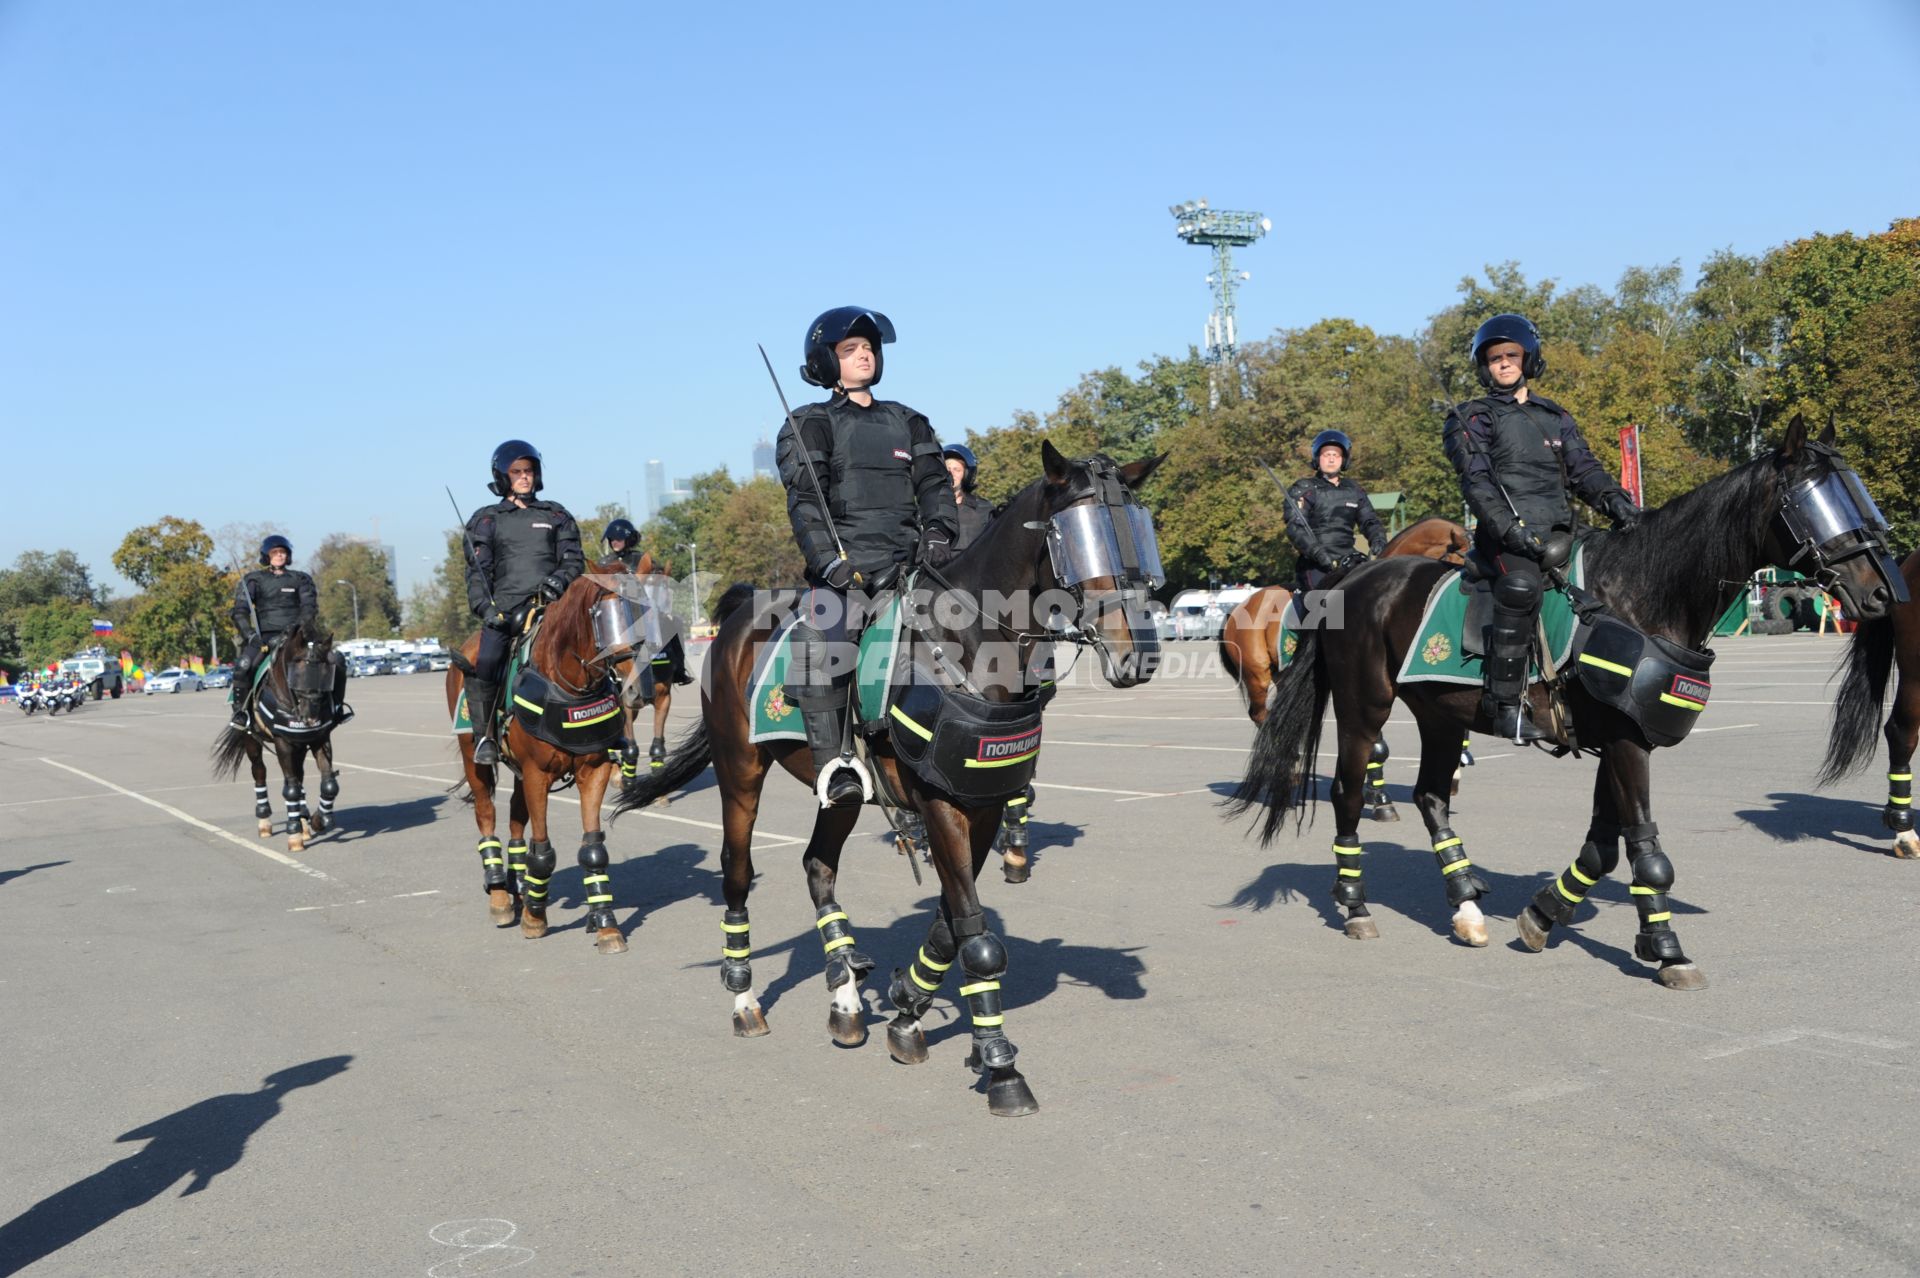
point(268, 602)
point(874, 467)
point(521, 551)
point(973, 511)
point(1518, 456)
point(622, 540)
point(1323, 510)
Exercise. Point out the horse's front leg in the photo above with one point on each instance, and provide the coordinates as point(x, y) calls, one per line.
point(530, 787)
point(662, 702)
point(595, 868)
point(1439, 753)
point(293, 767)
point(1628, 768)
point(1556, 902)
point(1378, 805)
point(1903, 733)
point(322, 820)
point(1348, 795)
point(846, 965)
point(262, 806)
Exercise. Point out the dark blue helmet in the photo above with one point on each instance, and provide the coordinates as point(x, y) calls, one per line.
point(273, 543)
point(966, 457)
point(1338, 438)
point(623, 529)
point(506, 455)
point(834, 327)
point(1507, 328)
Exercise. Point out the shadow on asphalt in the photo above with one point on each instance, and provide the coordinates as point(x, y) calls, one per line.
point(8, 876)
point(351, 824)
point(1794, 818)
point(201, 1141)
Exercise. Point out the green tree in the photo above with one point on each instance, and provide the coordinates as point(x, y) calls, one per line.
point(437, 607)
point(151, 549)
point(1733, 346)
point(184, 599)
point(1822, 284)
point(1876, 398)
point(345, 558)
point(52, 631)
point(593, 529)
point(687, 519)
point(751, 540)
point(38, 577)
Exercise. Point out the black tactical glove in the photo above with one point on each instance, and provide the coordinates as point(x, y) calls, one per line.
point(839, 574)
point(497, 620)
point(552, 587)
point(1523, 541)
point(936, 551)
point(1620, 509)
point(1352, 559)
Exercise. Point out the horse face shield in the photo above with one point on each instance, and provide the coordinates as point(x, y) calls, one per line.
point(1106, 555)
point(620, 623)
point(1832, 521)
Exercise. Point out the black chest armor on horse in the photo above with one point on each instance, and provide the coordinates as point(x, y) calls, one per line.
point(276, 598)
point(869, 476)
point(526, 547)
point(1527, 462)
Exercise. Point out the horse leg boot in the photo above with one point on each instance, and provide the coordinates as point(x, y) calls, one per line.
point(1013, 837)
point(599, 889)
point(912, 993)
point(329, 791)
point(736, 973)
point(1350, 888)
point(262, 808)
point(295, 796)
point(1516, 601)
point(846, 968)
point(516, 866)
point(493, 881)
point(1898, 815)
point(984, 961)
point(541, 859)
point(1652, 876)
point(1375, 796)
point(1556, 902)
point(483, 697)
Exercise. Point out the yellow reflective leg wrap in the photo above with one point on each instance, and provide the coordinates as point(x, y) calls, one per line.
point(1348, 859)
point(493, 846)
point(517, 857)
point(935, 972)
point(536, 890)
point(597, 898)
point(983, 1003)
point(836, 933)
point(1900, 789)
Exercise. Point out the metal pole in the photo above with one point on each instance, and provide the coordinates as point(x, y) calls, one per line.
point(356, 604)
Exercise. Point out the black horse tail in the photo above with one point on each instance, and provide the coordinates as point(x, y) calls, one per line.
point(688, 760)
point(1280, 769)
point(228, 753)
point(738, 593)
point(1863, 690)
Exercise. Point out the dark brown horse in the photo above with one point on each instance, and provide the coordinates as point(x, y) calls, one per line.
point(295, 714)
point(1877, 645)
point(565, 654)
point(1011, 560)
point(1672, 577)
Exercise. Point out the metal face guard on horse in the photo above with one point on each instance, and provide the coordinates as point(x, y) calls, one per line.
point(575, 641)
point(1878, 645)
point(300, 704)
point(1672, 578)
point(1077, 531)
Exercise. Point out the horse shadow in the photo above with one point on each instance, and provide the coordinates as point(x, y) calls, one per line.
point(8, 876)
point(1795, 818)
point(355, 823)
point(202, 1141)
point(1035, 968)
point(665, 876)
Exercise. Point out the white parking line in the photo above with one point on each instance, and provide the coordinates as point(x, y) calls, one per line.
point(194, 821)
point(1147, 745)
point(1094, 789)
point(431, 736)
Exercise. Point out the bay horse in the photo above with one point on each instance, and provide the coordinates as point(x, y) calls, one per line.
point(568, 654)
point(1250, 643)
point(299, 706)
point(1016, 557)
point(1877, 645)
point(1672, 577)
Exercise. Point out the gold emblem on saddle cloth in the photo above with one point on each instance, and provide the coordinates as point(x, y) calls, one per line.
point(1438, 649)
point(777, 707)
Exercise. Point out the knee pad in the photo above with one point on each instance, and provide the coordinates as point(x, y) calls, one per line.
point(290, 790)
point(736, 947)
point(330, 786)
point(984, 956)
point(1348, 893)
point(1517, 592)
point(541, 860)
point(1380, 753)
point(593, 850)
point(1651, 868)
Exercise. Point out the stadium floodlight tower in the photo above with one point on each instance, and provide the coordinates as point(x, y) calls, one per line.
point(1222, 231)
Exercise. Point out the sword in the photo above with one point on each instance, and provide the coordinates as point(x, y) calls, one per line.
point(467, 535)
point(819, 489)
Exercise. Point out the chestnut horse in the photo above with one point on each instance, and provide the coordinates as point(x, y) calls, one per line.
point(1877, 646)
point(564, 653)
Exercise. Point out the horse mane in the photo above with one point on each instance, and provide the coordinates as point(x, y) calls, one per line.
point(1012, 519)
point(1673, 571)
point(565, 629)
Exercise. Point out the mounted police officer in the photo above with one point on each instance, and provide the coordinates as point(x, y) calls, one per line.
point(268, 602)
point(521, 552)
point(1325, 508)
point(622, 540)
point(970, 509)
point(1520, 457)
point(867, 496)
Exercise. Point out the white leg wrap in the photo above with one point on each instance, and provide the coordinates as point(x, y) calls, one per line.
point(847, 998)
point(745, 999)
point(1469, 912)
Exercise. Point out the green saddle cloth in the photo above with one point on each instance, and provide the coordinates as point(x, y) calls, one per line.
point(462, 721)
point(775, 718)
point(1438, 653)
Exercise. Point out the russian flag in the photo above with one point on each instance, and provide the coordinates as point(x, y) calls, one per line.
point(102, 627)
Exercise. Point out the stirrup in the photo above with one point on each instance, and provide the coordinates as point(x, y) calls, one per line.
point(824, 782)
point(484, 746)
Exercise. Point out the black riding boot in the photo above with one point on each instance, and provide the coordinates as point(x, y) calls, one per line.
point(825, 716)
point(240, 693)
point(482, 695)
point(1503, 702)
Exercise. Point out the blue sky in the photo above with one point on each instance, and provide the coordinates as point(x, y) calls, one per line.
point(309, 262)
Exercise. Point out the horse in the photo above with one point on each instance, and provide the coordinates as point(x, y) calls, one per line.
point(1250, 644)
point(648, 683)
point(578, 634)
point(298, 708)
point(1877, 645)
point(1037, 547)
point(1671, 577)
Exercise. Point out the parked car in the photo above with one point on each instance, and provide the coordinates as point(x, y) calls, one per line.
point(410, 665)
point(440, 661)
point(173, 679)
point(218, 677)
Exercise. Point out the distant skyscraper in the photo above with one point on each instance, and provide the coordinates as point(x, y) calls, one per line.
point(763, 466)
point(656, 487)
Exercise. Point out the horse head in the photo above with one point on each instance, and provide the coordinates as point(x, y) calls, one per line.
point(306, 676)
point(1825, 525)
point(1101, 551)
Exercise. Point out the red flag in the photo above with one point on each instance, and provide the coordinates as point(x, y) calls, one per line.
point(1630, 463)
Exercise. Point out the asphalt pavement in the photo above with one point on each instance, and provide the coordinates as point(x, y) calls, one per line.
point(229, 1059)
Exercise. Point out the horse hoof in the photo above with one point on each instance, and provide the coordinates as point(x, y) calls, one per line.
point(849, 1029)
point(609, 941)
point(1683, 976)
point(1008, 1095)
point(500, 907)
point(1471, 931)
point(1533, 934)
point(533, 926)
point(750, 1022)
point(295, 843)
point(906, 1042)
point(1386, 812)
point(1362, 929)
point(1906, 845)
point(266, 829)
point(1017, 873)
